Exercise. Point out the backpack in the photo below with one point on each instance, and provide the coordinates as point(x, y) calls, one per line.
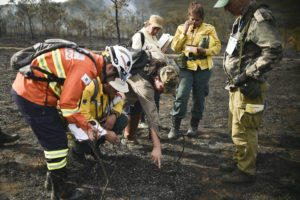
point(142, 40)
point(140, 60)
point(21, 60)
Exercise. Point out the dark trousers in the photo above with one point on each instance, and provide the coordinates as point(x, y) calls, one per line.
point(45, 123)
point(197, 82)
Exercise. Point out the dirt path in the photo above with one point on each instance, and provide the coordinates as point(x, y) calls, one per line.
point(195, 176)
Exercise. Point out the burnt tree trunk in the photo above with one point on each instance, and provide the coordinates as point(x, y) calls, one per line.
point(117, 21)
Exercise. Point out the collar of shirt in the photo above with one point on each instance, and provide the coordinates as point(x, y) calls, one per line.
point(245, 9)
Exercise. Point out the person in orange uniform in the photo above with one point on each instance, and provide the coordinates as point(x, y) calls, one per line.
point(38, 102)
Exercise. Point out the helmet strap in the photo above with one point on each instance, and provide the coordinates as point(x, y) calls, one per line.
point(105, 76)
point(104, 70)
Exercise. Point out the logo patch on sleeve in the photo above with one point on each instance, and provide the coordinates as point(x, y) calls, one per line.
point(71, 54)
point(86, 79)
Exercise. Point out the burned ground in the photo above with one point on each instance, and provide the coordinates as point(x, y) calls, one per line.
point(194, 176)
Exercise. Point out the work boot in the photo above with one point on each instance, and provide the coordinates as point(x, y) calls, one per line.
point(228, 166)
point(237, 176)
point(193, 129)
point(61, 189)
point(174, 132)
point(131, 145)
point(143, 124)
point(7, 138)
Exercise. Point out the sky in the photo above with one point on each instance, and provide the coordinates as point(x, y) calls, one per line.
point(2, 2)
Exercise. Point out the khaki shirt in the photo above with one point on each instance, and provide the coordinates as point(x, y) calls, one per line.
point(151, 44)
point(141, 90)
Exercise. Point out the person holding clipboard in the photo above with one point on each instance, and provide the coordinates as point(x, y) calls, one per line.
point(197, 42)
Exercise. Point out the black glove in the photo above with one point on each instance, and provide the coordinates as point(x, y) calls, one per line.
point(240, 79)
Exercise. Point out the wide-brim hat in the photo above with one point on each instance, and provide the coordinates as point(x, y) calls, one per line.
point(169, 76)
point(119, 85)
point(221, 3)
point(155, 21)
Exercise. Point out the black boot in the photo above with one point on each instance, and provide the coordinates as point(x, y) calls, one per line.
point(174, 132)
point(193, 129)
point(6, 138)
point(61, 189)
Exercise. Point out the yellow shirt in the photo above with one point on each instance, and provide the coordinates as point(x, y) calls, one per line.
point(88, 108)
point(180, 41)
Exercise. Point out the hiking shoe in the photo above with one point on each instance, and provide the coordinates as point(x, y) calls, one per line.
point(125, 141)
point(143, 125)
point(237, 176)
point(173, 134)
point(7, 138)
point(131, 144)
point(228, 166)
point(192, 132)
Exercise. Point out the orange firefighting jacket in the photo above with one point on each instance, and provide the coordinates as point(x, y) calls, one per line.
point(78, 71)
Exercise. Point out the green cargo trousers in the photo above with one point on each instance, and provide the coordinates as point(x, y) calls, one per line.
point(243, 126)
point(197, 81)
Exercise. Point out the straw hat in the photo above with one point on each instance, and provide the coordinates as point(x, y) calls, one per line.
point(155, 21)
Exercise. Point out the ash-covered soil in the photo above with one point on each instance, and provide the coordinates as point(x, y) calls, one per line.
point(191, 175)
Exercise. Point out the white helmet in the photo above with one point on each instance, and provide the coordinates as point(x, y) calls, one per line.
point(120, 58)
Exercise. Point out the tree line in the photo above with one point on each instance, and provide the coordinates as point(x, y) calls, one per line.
point(120, 19)
point(32, 18)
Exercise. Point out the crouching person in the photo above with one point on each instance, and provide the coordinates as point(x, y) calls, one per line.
point(142, 86)
point(37, 100)
point(102, 104)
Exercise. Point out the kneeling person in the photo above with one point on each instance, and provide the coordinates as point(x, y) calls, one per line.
point(102, 104)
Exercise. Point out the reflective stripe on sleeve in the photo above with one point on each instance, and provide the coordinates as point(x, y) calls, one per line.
point(68, 112)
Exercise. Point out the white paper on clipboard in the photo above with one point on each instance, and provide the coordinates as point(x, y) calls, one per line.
point(165, 39)
point(78, 133)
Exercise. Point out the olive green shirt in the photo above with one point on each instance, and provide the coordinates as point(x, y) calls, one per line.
point(262, 46)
